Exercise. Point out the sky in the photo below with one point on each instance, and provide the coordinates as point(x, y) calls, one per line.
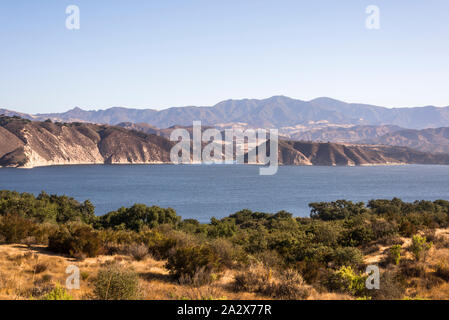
point(165, 53)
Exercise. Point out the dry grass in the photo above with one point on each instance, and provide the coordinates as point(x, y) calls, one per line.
point(28, 271)
point(19, 278)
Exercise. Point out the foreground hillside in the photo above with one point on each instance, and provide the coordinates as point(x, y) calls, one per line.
point(33, 272)
point(27, 144)
point(151, 253)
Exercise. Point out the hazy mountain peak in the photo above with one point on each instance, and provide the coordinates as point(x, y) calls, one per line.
point(325, 100)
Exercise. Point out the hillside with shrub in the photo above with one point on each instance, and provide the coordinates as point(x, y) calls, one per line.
point(146, 252)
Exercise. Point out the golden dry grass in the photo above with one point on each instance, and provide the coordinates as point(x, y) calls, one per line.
point(27, 272)
point(18, 279)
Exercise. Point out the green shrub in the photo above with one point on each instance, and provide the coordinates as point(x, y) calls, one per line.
point(76, 240)
point(357, 234)
point(230, 256)
point(15, 228)
point(347, 256)
point(139, 216)
point(46, 208)
point(347, 280)
point(338, 210)
point(58, 293)
point(394, 254)
point(116, 283)
point(419, 247)
point(188, 260)
point(407, 229)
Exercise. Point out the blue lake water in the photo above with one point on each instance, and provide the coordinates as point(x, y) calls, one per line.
point(202, 192)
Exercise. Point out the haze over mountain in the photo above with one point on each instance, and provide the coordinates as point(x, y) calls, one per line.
point(274, 112)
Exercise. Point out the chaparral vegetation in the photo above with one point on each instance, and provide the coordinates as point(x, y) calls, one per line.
point(146, 252)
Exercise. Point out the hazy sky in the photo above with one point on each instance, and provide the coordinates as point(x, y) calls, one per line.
point(158, 54)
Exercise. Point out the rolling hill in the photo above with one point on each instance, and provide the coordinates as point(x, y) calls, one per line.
point(27, 144)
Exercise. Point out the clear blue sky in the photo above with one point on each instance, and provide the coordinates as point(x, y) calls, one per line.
point(158, 54)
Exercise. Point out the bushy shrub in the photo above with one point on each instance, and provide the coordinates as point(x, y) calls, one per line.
point(116, 283)
point(15, 228)
point(383, 230)
point(347, 280)
point(338, 210)
point(161, 243)
point(285, 285)
point(230, 256)
point(289, 286)
point(201, 277)
point(311, 271)
point(357, 234)
point(407, 229)
point(58, 293)
point(326, 233)
point(254, 279)
point(419, 247)
point(139, 216)
point(46, 208)
point(137, 251)
point(75, 240)
point(347, 256)
point(188, 260)
point(394, 254)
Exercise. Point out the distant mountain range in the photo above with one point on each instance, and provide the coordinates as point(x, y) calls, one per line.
point(27, 144)
point(275, 112)
point(319, 120)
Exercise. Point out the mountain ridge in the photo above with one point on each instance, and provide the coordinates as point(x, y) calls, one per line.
point(274, 112)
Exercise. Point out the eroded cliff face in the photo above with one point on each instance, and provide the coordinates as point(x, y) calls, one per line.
point(333, 154)
point(28, 144)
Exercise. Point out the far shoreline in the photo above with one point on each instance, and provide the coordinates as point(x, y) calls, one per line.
point(392, 164)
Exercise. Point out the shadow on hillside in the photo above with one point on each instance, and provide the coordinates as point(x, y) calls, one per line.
point(42, 250)
point(149, 276)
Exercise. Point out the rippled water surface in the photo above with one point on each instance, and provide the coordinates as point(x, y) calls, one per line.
point(202, 192)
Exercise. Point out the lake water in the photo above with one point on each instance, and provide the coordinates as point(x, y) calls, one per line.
point(201, 192)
